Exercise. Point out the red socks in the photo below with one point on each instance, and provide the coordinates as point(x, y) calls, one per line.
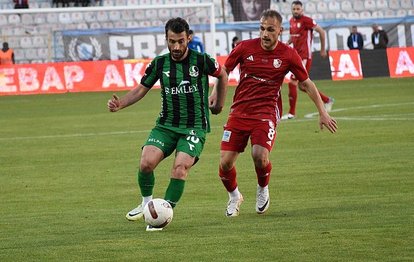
point(263, 175)
point(229, 179)
point(293, 96)
point(325, 98)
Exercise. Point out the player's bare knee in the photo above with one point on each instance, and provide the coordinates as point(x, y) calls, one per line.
point(227, 161)
point(226, 165)
point(146, 166)
point(180, 171)
point(260, 161)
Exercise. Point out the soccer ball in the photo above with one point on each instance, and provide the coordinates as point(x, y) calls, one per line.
point(158, 213)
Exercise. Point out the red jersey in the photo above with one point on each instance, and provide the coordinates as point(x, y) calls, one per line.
point(262, 73)
point(301, 35)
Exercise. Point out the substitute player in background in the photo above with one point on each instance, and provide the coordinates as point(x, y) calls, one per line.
point(301, 36)
point(256, 107)
point(184, 118)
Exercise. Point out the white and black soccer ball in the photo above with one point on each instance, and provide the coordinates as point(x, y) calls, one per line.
point(158, 213)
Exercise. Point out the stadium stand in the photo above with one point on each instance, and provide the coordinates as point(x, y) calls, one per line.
point(3, 20)
point(370, 5)
point(322, 7)
point(32, 35)
point(346, 6)
point(394, 4)
point(358, 6)
point(382, 4)
point(310, 7)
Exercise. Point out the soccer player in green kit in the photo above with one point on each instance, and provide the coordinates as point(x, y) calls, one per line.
point(184, 118)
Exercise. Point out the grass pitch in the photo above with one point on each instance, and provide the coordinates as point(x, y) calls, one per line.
point(67, 179)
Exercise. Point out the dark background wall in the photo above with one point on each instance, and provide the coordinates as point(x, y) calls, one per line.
point(374, 63)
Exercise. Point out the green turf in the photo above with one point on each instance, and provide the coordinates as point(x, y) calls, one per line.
point(67, 178)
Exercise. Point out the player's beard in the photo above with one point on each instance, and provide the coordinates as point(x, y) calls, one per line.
point(177, 55)
point(268, 43)
point(297, 16)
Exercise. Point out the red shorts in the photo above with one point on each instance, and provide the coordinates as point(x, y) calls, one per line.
point(307, 63)
point(238, 130)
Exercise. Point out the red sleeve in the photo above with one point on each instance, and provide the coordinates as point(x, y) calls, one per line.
point(297, 67)
point(234, 57)
point(218, 70)
point(310, 23)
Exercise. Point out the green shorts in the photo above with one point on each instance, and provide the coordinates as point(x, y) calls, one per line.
point(168, 141)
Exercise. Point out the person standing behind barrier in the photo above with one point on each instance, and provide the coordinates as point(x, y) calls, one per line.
point(96, 3)
point(301, 36)
point(65, 3)
point(379, 38)
point(6, 55)
point(355, 39)
point(83, 3)
point(195, 43)
point(21, 4)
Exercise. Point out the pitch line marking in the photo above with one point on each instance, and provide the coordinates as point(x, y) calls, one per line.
point(400, 117)
point(81, 135)
point(308, 117)
point(73, 135)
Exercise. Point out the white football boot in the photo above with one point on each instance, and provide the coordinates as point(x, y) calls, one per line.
point(288, 116)
point(328, 106)
point(262, 199)
point(136, 213)
point(233, 207)
point(153, 229)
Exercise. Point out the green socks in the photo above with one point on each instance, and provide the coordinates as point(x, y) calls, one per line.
point(146, 183)
point(174, 191)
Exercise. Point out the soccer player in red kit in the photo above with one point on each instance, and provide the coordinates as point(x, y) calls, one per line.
point(301, 36)
point(256, 108)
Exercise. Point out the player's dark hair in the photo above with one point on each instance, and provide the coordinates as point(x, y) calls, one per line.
point(233, 41)
point(271, 13)
point(297, 3)
point(177, 25)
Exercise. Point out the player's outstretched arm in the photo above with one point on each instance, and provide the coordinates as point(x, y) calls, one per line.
point(324, 118)
point(115, 103)
point(218, 95)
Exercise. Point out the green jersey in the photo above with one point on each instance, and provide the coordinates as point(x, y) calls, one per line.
point(184, 90)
